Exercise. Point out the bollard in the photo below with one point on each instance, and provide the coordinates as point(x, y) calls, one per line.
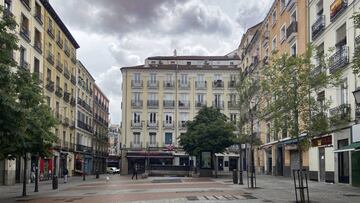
point(235, 176)
point(55, 182)
point(97, 174)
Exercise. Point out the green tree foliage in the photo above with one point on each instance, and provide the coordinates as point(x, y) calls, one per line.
point(209, 131)
point(291, 84)
point(26, 121)
point(356, 59)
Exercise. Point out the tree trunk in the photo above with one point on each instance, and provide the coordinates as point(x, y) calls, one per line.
point(24, 176)
point(36, 174)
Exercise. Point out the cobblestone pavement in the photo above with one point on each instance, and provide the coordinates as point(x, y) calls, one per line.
point(174, 190)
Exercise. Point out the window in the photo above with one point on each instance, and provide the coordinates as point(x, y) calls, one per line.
point(152, 96)
point(217, 77)
point(232, 98)
point(153, 62)
point(23, 62)
point(49, 74)
point(152, 117)
point(7, 5)
point(168, 118)
point(200, 98)
point(293, 50)
point(136, 138)
point(320, 8)
point(184, 97)
point(172, 62)
point(321, 98)
point(136, 96)
point(136, 78)
point(341, 37)
point(283, 33)
point(184, 117)
point(344, 92)
point(233, 117)
point(273, 44)
point(268, 133)
point(136, 117)
point(217, 100)
point(168, 138)
point(48, 101)
point(200, 80)
point(152, 78)
point(168, 78)
point(282, 5)
point(188, 63)
point(37, 11)
point(183, 80)
point(152, 138)
point(37, 67)
point(273, 17)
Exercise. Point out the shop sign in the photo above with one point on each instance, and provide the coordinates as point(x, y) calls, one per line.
point(327, 140)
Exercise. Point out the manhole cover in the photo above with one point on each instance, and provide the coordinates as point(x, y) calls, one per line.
point(166, 181)
point(192, 198)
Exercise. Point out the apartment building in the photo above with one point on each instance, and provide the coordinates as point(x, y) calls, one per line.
point(29, 16)
point(283, 30)
point(161, 95)
point(60, 89)
point(84, 120)
point(332, 31)
point(100, 141)
point(114, 146)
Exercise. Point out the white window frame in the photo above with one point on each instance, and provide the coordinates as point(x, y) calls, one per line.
point(273, 48)
point(273, 17)
point(283, 38)
point(295, 43)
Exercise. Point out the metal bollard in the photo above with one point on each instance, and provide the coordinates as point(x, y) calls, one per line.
point(55, 182)
point(235, 176)
point(97, 174)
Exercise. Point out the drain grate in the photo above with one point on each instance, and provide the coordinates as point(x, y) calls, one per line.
point(192, 198)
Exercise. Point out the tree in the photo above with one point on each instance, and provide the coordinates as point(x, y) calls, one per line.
point(291, 84)
point(26, 121)
point(209, 131)
point(248, 91)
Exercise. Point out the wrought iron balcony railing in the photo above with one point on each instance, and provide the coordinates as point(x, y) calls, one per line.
point(339, 59)
point(318, 27)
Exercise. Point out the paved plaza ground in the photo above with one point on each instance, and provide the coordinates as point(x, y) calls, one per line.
point(174, 189)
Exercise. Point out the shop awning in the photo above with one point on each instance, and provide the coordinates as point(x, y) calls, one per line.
point(351, 147)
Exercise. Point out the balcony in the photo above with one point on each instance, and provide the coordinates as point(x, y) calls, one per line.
point(340, 114)
point(72, 101)
point(291, 31)
point(200, 104)
point(72, 124)
point(26, 4)
point(232, 84)
point(83, 148)
point(153, 85)
point(59, 91)
point(218, 104)
point(184, 104)
point(73, 79)
point(337, 8)
point(218, 84)
point(66, 96)
point(7, 13)
point(184, 86)
point(85, 126)
point(73, 59)
point(291, 4)
point(50, 85)
point(169, 104)
point(136, 84)
point(153, 104)
point(66, 121)
point(169, 85)
point(168, 125)
point(67, 51)
point(182, 125)
point(66, 73)
point(232, 105)
point(50, 32)
point(200, 85)
point(25, 33)
point(37, 46)
point(136, 145)
point(152, 145)
point(339, 60)
point(60, 42)
point(39, 76)
point(85, 105)
point(38, 17)
point(24, 65)
point(50, 58)
point(152, 125)
point(318, 27)
point(136, 104)
point(317, 70)
point(136, 125)
point(59, 66)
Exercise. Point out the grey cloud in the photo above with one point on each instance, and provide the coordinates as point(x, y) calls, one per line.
point(252, 12)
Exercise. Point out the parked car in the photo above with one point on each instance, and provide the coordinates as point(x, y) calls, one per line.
point(112, 170)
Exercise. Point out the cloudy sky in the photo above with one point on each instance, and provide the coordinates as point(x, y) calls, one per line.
point(117, 33)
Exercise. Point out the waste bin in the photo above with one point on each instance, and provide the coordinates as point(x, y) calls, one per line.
point(55, 182)
point(97, 174)
point(235, 176)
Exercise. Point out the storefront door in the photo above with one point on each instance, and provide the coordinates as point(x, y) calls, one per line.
point(322, 164)
point(279, 161)
point(343, 162)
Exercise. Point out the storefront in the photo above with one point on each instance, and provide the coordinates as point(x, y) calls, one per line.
point(142, 158)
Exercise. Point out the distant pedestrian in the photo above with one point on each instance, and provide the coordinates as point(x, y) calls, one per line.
point(135, 171)
point(66, 172)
